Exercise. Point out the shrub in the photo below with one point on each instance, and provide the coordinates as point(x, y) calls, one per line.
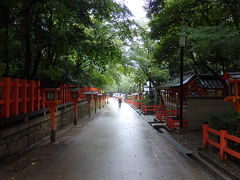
point(147, 100)
point(228, 119)
point(137, 100)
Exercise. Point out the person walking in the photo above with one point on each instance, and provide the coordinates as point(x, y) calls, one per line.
point(119, 101)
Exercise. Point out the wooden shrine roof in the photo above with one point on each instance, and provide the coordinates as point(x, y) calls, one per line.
point(203, 81)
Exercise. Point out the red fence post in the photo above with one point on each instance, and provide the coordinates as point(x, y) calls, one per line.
point(24, 96)
point(15, 110)
point(6, 97)
point(31, 96)
point(38, 95)
point(205, 135)
point(223, 143)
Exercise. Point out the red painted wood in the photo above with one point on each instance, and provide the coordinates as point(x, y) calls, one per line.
point(38, 95)
point(24, 96)
point(222, 146)
point(15, 107)
point(31, 96)
point(6, 97)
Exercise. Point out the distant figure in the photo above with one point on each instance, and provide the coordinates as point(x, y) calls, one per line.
point(119, 101)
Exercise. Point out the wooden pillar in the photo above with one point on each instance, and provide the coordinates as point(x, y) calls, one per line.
point(15, 110)
point(37, 95)
point(6, 97)
point(205, 135)
point(24, 96)
point(53, 123)
point(31, 96)
point(75, 105)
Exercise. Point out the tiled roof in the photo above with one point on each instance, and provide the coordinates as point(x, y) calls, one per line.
point(203, 81)
point(175, 80)
point(209, 82)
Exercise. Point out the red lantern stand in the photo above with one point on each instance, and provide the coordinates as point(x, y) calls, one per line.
point(107, 98)
point(100, 101)
point(233, 79)
point(89, 99)
point(95, 97)
point(75, 96)
point(51, 100)
point(104, 100)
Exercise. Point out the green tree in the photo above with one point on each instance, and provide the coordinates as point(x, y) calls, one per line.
point(211, 28)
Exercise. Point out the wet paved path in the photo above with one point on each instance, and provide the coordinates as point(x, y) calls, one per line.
point(118, 144)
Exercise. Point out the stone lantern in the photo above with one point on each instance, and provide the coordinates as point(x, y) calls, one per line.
point(51, 99)
point(89, 97)
point(75, 97)
point(95, 97)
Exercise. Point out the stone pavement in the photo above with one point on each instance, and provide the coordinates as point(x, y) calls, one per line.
point(117, 144)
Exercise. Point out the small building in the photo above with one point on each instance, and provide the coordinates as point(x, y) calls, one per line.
point(203, 95)
point(233, 80)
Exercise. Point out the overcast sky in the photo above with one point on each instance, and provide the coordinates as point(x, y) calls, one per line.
point(136, 7)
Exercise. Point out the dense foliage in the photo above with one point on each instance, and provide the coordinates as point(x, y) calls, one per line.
point(77, 40)
point(229, 120)
point(211, 28)
point(94, 42)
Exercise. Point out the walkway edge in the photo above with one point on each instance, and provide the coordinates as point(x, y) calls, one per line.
point(181, 149)
point(219, 167)
point(196, 159)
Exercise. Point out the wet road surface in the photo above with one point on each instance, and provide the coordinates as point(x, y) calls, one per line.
point(117, 144)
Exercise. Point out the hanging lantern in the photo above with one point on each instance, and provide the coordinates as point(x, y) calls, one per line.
point(233, 79)
point(95, 96)
point(52, 95)
point(88, 95)
point(75, 93)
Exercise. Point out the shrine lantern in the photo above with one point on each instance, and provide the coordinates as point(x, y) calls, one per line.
point(95, 97)
point(100, 100)
point(89, 97)
point(75, 96)
point(51, 99)
point(52, 95)
point(75, 93)
point(233, 79)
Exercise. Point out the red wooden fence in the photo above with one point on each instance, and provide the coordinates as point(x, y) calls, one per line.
point(136, 104)
point(19, 96)
point(223, 144)
point(152, 108)
point(163, 115)
point(173, 123)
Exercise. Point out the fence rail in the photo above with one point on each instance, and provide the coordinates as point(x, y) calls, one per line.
point(134, 103)
point(153, 108)
point(222, 145)
point(173, 122)
point(163, 115)
point(20, 96)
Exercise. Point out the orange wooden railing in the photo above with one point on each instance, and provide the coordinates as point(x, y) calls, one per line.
point(163, 115)
point(152, 108)
point(173, 123)
point(136, 104)
point(222, 145)
point(19, 96)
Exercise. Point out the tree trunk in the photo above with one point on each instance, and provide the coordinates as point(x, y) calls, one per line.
point(36, 63)
point(6, 72)
point(28, 50)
